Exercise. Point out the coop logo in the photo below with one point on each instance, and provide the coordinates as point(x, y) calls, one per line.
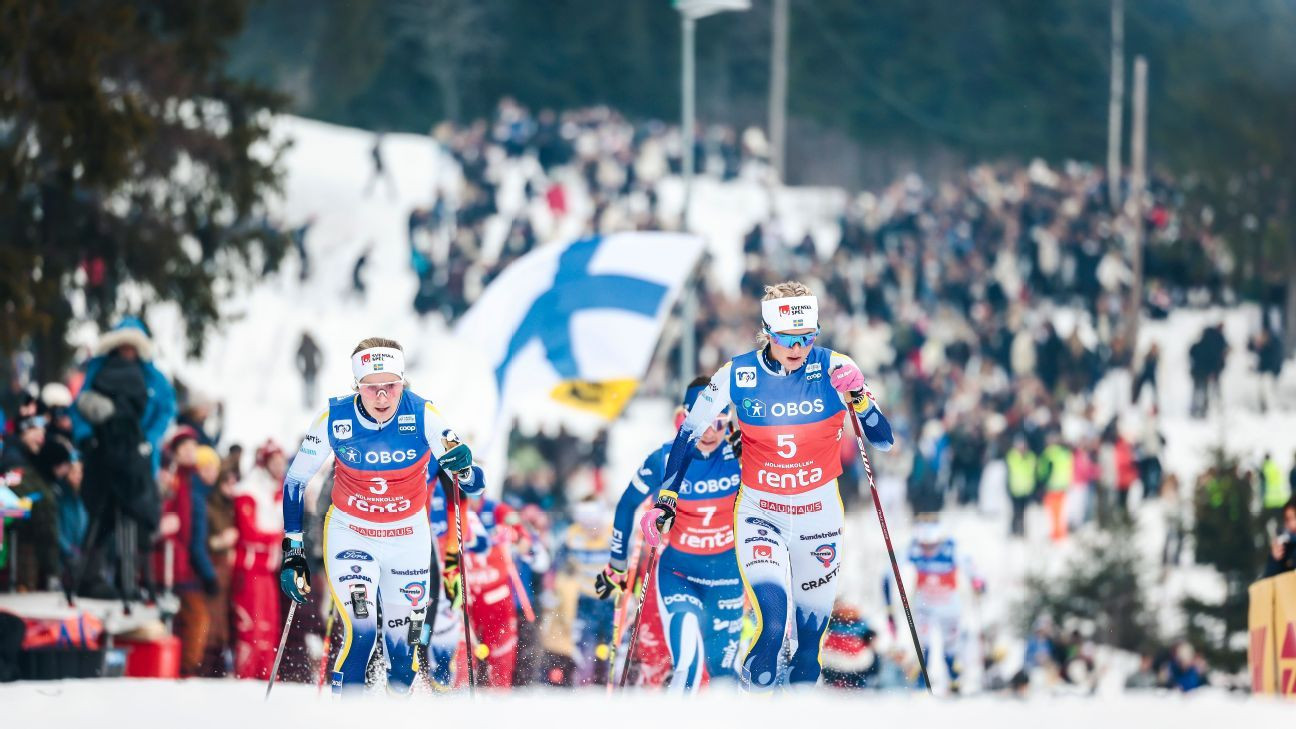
point(385, 457)
point(414, 592)
point(342, 429)
point(350, 454)
point(745, 376)
point(355, 555)
point(753, 407)
point(760, 551)
point(825, 553)
point(814, 372)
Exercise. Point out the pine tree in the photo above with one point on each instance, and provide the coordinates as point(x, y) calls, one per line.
point(134, 169)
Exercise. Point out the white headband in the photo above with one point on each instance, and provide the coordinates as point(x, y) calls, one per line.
point(377, 359)
point(792, 312)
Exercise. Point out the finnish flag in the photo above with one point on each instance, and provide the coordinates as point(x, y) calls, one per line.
point(577, 323)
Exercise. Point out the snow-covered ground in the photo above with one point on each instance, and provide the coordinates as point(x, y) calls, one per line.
point(196, 704)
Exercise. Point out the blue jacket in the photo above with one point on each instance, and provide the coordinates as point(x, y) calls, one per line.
point(158, 414)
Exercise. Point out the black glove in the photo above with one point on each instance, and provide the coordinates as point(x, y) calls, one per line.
point(294, 575)
point(450, 577)
point(611, 581)
point(734, 438)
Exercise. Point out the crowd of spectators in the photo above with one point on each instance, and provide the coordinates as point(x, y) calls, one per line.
point(986, 308)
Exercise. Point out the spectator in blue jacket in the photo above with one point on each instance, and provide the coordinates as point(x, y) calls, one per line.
point(130, 340)
point(124, 408)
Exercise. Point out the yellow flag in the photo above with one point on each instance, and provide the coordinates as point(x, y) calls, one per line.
point(607, 398)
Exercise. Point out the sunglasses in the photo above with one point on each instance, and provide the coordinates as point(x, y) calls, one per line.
point(377, 388)
point(792, 340)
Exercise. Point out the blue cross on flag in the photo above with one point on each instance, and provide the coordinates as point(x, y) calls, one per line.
point(577, 323)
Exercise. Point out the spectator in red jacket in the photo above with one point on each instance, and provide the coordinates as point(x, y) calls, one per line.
point(184, 530)
point(258, 517)
point(1126, 472)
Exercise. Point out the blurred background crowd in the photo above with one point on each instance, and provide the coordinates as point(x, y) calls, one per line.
point(947, 292)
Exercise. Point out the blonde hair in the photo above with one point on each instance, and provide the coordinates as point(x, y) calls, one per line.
point(782, 290)
point(371, 342)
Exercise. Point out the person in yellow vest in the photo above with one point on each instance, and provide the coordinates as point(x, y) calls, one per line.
point(1058, 468)
point(1020, 460)
point(1275, 490)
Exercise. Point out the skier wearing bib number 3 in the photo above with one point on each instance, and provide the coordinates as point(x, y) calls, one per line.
point(377, 542)
point(788, 398)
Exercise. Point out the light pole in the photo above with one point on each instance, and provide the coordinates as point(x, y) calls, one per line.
point(690, 12)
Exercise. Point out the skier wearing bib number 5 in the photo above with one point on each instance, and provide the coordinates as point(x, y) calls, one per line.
point(788, 398)
point(377, 542)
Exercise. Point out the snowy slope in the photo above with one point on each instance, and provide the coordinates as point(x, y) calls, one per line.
point(198, 704)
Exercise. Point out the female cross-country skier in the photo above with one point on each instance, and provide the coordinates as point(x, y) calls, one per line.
point(377, 543)
point(699, 594)
point(788, 398)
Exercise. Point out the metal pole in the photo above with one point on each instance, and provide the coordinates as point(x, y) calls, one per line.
point(283, 640)
point(1138, 182)
point(886, 537)
point(778, 88)
point(688, 332)
point(687, 121)
point(1116, 104)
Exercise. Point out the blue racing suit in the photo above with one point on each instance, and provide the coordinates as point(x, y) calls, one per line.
point(699, 590)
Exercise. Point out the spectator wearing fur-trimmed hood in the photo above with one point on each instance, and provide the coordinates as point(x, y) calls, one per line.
point(128, 341)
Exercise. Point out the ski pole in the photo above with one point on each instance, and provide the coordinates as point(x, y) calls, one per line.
point(328, 639)
point(463, 584)
point(634, 631)
point(886, 535)
point(623, 606)
point(283, 640)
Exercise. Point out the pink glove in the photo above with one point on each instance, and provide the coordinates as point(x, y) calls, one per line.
point(847, 379)
point(648, 525)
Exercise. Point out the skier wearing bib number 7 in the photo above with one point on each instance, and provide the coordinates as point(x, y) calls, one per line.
point(698, 591)
point(789, 397)
point(377, 541)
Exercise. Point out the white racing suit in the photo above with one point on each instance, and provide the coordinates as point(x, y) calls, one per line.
point(788, 518)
